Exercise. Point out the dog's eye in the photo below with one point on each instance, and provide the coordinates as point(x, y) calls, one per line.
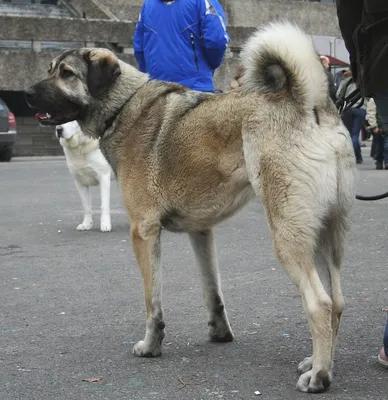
point(67, 73)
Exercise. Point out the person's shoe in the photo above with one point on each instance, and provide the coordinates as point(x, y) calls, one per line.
point(379, 165)
point(359, 160)
point(383, 358)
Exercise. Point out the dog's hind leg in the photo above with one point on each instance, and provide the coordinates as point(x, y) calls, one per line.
point(105, 224)
point(86, 199)
point(334, 244)
point(146, 247)
point(288, 201)
point(204, 248)
point(323, 263)
point(329, 257)
point(297, 256)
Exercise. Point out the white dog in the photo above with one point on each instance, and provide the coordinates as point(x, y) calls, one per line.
point(88, 167)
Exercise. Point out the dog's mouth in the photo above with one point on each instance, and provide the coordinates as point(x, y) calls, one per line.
point(55, 118)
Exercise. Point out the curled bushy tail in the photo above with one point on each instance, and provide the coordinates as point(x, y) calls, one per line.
point(281, 59)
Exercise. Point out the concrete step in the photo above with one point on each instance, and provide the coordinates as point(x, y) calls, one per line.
point(35, 140)
point(18, 45)
point(32, 10)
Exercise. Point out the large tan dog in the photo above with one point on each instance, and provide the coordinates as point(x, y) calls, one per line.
point(187, 160)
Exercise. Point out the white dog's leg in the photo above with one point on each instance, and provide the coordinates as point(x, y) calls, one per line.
point(86, 199)
point(204, 248)
point(105, 202)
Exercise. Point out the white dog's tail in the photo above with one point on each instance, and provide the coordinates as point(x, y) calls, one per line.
point(281, 59)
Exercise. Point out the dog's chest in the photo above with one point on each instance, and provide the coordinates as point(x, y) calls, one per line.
point(87, 177)
point(82, 170)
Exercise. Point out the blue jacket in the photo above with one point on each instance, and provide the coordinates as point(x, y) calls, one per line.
point(182, 41)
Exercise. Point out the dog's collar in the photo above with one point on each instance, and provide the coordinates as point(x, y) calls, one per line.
point(110, 121)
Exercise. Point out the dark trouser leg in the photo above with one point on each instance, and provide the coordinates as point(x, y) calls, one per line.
point(386, 338)
point(351, 121)
point(373, 148)
point(358, 118)
point(385, 150)
point(381, 100)
point(379, 148)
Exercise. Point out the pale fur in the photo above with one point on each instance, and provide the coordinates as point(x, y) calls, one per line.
point(88, 167)
point(287, 42)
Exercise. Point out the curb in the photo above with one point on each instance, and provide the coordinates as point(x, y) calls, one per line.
point(38, 158)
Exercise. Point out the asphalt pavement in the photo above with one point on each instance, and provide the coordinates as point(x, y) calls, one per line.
point(71, 303)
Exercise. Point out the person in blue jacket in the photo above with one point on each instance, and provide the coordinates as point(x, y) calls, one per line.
point(181, 41)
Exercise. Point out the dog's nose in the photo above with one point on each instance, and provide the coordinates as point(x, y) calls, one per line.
point(59, 130)
point(29, 93)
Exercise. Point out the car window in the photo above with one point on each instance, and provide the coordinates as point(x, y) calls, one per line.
point(3, 106)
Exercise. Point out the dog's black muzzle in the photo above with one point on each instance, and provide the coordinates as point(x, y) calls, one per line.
point(59, 131)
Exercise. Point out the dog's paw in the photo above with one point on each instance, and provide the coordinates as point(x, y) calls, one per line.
point(85, 226)
point(219, 329)
point(105, 224)
point(314, 383)
point(305, 365)
point(143, 349)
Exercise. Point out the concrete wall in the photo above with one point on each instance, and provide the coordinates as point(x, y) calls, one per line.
point(65, 29)
point(314, 18)
point(123, 9)
point(245, 16)
point(92, 9)
point(19, 70)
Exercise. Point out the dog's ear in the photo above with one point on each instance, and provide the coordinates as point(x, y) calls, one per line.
point(103, 70)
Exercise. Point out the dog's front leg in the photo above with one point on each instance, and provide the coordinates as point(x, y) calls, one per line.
point(86, 200)
point(105, 223)
point(204, 248)
point(147, 252)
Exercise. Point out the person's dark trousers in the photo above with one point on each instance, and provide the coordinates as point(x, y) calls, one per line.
point(354, 120)
point(374, 147)
point(382, 149)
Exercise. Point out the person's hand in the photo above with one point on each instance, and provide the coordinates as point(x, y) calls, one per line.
point(361, 69)
point(376, 130)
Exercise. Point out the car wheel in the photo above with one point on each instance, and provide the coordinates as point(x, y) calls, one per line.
point(7, 154)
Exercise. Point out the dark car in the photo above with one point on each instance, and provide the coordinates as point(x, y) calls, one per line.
point(7, 132)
